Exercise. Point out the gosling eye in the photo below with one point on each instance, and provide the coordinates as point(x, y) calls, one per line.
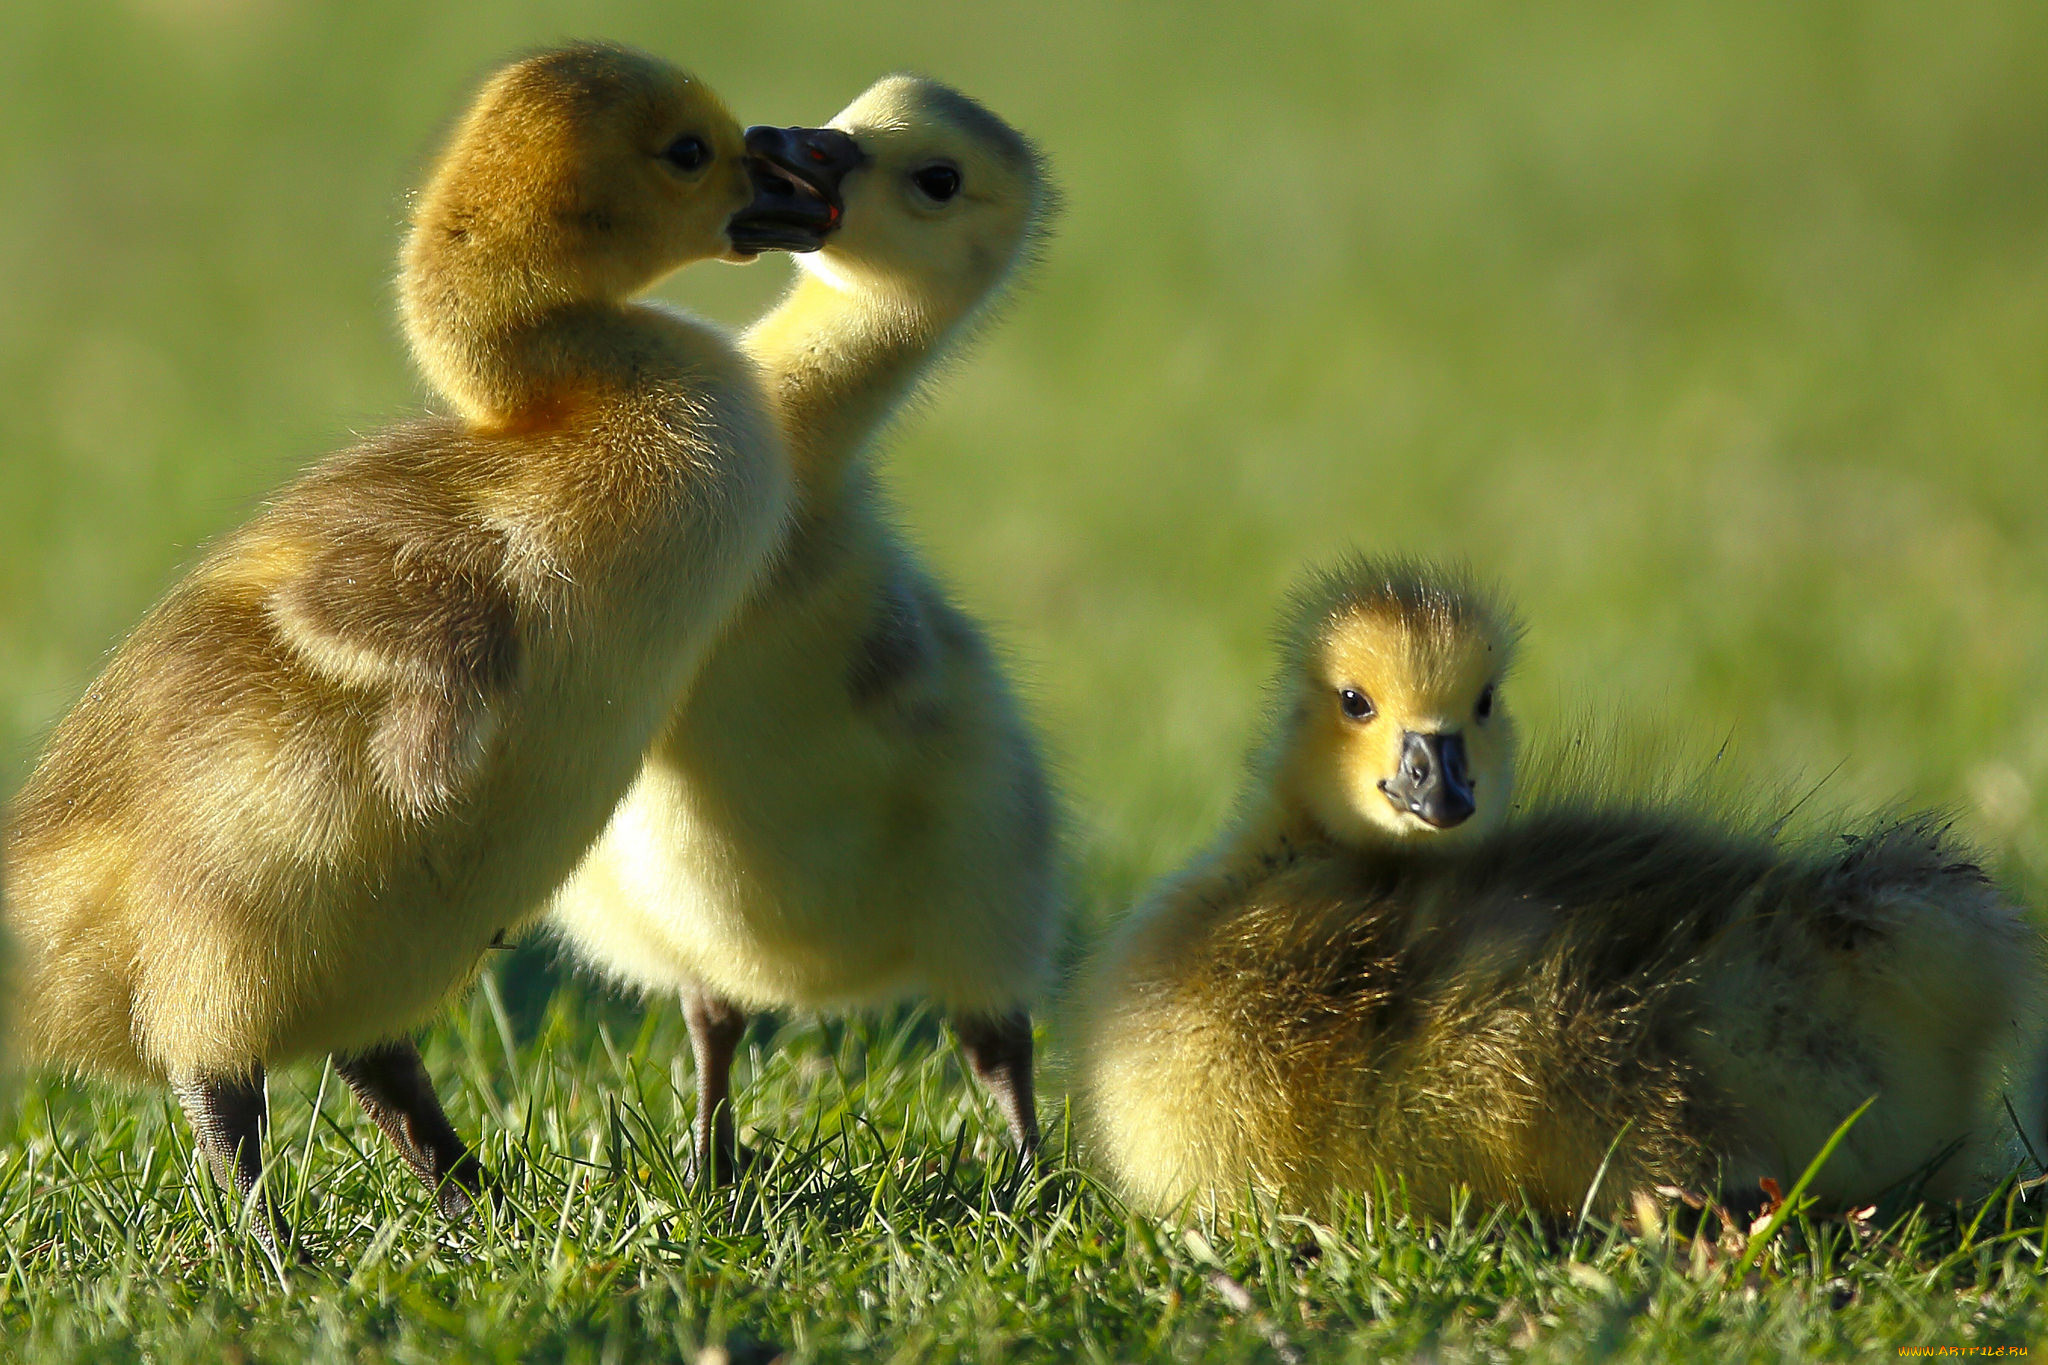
point(1485, 706)
point(687, 153)
point(1357, 706)
point(937, 182)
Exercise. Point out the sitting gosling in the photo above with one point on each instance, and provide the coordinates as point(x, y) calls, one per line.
point(848, 808)
point(379, 723)
point(1371, 973)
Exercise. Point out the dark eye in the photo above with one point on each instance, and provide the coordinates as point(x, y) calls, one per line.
point(939, 181)
point(1356, 704)
point(687, 153)
point(1485, 706)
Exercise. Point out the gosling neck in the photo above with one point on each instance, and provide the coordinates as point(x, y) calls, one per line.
point(838, 358)
point(512, 348)
point(1285, 807)
point(1272, 820)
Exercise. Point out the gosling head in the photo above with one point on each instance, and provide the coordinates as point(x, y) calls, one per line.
point(942, 199)
point(580, 174)
point(1393, 728)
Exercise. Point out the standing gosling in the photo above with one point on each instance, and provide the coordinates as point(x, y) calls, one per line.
point(378, 724)
point(1372, 975)
point(848, 807)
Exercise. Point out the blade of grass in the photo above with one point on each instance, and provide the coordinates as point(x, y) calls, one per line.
point(1761, 1238)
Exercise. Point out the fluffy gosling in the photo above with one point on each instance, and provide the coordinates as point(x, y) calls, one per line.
point(374, 727)
point(848, 808)
point(1373, 976)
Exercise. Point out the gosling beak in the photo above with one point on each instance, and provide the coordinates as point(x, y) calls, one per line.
point(796, 174)
point(1432, 783)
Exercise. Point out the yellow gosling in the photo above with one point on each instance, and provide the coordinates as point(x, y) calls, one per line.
point(376, 726)
point(848, 808)
point(1373, 975)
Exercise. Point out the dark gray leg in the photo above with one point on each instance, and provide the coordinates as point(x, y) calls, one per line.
point(228, 1118)
point(716, 1025)
point(998, 1048)
point(391, 1083)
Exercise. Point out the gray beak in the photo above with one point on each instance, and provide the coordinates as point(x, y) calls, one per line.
point(1432, 783)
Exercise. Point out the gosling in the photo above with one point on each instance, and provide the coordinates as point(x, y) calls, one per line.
point(1372, 975)
point(848, 807)
point(377, 725)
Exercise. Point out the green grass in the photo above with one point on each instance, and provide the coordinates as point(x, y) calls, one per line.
point(1714, 332)
point(889, 1222)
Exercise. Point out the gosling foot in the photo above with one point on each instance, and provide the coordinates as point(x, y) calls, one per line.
point(725, 1165)
point(391, 1083)
point(228, 1115)
point(998, 1049)
point(716, 1027)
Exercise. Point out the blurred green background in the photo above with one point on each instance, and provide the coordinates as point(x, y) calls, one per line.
point(1717, 333)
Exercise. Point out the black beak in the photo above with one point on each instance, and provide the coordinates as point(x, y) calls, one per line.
point(1432, 782)
point(796, 174)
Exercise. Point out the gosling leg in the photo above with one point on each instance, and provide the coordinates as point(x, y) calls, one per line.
point(228, 1117)
point(716, 1026)
point(391, 1083)
point(998, 1048)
